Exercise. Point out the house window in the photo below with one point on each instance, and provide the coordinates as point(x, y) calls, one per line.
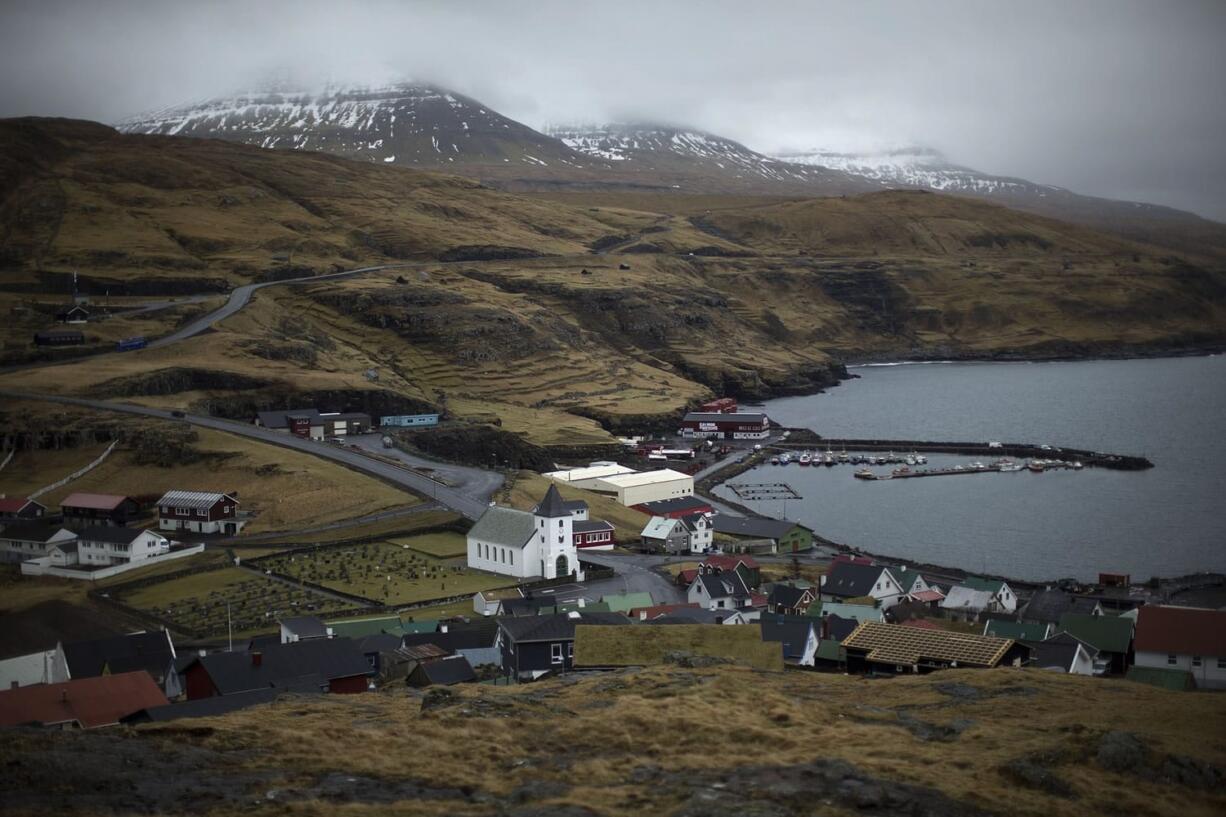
point(201, 512)
point(1196, 661)
point(1221, 663)
point(570, 650)
point(512, 557)
point(559, 523)
point(556, 653)
point(1172, 660)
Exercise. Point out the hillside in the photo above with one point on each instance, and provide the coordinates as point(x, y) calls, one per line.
point(560, 321)
point(654, 742)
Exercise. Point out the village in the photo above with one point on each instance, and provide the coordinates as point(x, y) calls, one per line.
point(520, 595)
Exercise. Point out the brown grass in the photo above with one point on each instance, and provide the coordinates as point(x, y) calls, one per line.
point(622, 646)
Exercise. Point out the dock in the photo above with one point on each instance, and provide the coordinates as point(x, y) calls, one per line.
point(994, 468)
point(1017, 451)
point(755, 491)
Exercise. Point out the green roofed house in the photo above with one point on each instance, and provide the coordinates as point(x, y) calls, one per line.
point(1018, 630)
point(856, 612)
point(625, 602)
point(1179, 680)
point(1110, 635)
point(363, 627)
point(1002, 593)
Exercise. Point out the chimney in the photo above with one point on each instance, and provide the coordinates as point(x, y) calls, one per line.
point(257, 658)
point(442, 628)
point(13, 685)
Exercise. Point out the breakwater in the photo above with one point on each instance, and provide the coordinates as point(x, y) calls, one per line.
point(1098, 459)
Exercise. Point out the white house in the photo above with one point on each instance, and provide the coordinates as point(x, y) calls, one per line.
point(118, 546)
point(910, 580)
point(22, 541)
point(701, 531)
point(540, 544)
point(1183, 638)
point(719, 591)
point(967, 602)
point(1004, 600)
point(847, 580)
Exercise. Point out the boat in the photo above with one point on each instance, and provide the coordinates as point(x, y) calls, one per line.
point(843, 456)
point(921, 459)
point(1037, 466)
point(910, 461)
point(1008, 466)
point(805, 459)
point(903, 470)
point(829, 459)
point(1077, 466)
point(784, 459)
point(865, 473)
point(774, 460)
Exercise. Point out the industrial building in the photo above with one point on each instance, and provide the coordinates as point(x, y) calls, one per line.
point(737, 426)
point(636, 488)
point(586, 478)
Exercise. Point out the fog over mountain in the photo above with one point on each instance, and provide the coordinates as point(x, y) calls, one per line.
point(1107, 97)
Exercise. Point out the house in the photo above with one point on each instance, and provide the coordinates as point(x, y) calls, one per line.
point(598, 647)
point(199, 512)
point(686, 576)
point(593, 534)
point(798, 636)
point(1018, 630)
point(665, 534)
point(119, 545)
point(850, 612)
point(534, 646)
point(701, 530)
point(313, 424)
point(454, 669)
point(98, 509)
point(1049, 604)
point(150, 652)
point(1183, 638)
point(787, 599)
point(893, 648)
point(1099, 663)
point(334, 665)
point(675, 508)
point(477, 640)
point(657, 610)
point(720, 405)
point(788, 536)
point(85, 703)
point(303, 628)
point(202, 708)
point(489, 602)
point(967, 603)
point(1004, 599)
point(15, 508)
point(910, 580)
point(1062, 655)
point(728, 426)
point(408, 421)
point(1110, 635)
point(645, 486)
point(746, 566)
point(625, 602)
point(24, 670)
point(849, 580)
point(21, 541)
point(59, 337)
point(73, 313)
point(724, 590)
point(522, 544)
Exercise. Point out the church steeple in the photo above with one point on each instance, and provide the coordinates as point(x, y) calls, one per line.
point(552, 506)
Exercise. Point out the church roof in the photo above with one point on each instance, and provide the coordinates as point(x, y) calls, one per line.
point(552, 506)
point(504, 526)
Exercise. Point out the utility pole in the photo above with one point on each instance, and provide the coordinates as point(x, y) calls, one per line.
point(229, 627)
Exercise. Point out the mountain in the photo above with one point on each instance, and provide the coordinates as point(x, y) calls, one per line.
point(403, 123)
point(927, 169)
point(685, 155)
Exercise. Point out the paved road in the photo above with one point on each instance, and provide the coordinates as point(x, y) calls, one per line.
point(635, 574)
point(273, 536)
point(396, 475)
point(159, 305)
point(474, 482)
point(241, 296)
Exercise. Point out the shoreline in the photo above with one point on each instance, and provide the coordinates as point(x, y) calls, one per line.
point(1125, 353)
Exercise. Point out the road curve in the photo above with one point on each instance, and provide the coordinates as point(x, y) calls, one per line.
point(241, 296)
point(420, 484)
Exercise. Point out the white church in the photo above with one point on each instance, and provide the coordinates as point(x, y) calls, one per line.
point(528, 545)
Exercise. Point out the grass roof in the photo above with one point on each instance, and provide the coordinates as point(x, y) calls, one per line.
point(1176, 679)
point(1106, 633)
point(601, 646)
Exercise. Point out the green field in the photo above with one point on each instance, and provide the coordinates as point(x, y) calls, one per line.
point(387, 572)
point(199, 602)
point(439, 545)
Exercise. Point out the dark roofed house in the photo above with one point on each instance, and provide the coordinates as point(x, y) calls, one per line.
point(1183, 638)
point(535, 646)
point(787, 536)
point(787, 599)
point(334, 665)
point(59, 337)
point(878, 647)
point(313, 424)
point(73, 313)
point(797, 635)
point(153, 652)
point(20, 508)
point(1110, 635)
point(302, 628)
point(203, 707)
point(849, 580)
point(720, 591)
point(98, 509)
point(746, 566)
point(476, 640)
point(86, 703)
point(1048, 605)
point(1063, 654)
point(20, 541)
point(442, 672)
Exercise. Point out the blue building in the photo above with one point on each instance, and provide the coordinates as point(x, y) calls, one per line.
point(409, 420)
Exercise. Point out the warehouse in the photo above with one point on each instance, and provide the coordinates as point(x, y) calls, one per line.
point(588, 477)
point(646, 486)
point(701, 424)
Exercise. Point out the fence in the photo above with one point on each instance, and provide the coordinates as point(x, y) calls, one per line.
point(78, 473)
point(6, 459)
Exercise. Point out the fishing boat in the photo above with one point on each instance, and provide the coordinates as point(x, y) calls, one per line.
point(806, 459)
point(865, 473)
point(1037, 466)
point(843, 457)
point(829, 459)
point(1008, 466)
point(774, 460)
point(910, 461)
point(784, 459)
point(921, 459)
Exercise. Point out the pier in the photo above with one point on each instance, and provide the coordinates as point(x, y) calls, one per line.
point(1092, 459)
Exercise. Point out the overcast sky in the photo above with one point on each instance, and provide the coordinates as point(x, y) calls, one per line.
point(1108, 97)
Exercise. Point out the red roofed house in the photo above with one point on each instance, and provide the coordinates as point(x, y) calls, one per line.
point(86, 703)
point(98, 509)
point(20, 508)
point(686, 577)
point(747, 566)
point(1183, 638)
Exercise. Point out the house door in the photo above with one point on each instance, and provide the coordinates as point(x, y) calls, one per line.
point(562, 567)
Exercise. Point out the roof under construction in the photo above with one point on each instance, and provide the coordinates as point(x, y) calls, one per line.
point(909, 646)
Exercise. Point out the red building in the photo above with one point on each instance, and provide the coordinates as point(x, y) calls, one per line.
point(21, 508)
point(720, 405)
point(199, 512)
point(594, 534)
point(84, 703)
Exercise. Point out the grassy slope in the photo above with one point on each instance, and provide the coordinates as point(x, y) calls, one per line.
point(640, 743)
